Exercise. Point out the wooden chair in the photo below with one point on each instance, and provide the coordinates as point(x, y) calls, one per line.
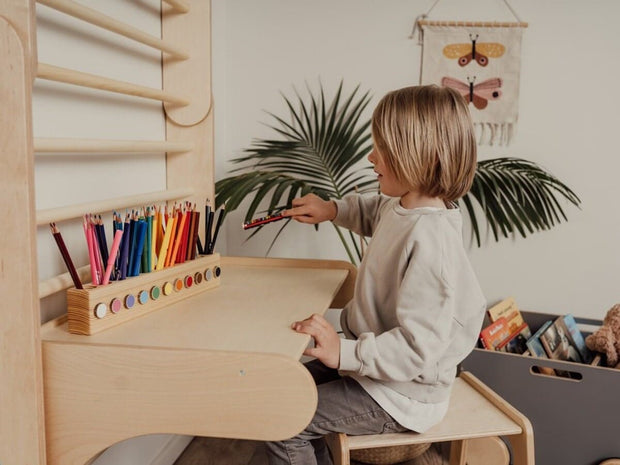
point(475, 412)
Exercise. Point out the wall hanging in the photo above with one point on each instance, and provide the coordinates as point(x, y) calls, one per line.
point(482, 60)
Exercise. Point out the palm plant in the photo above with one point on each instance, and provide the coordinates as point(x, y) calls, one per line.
point(319, 151)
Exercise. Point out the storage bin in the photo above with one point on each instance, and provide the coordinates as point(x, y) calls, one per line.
point(575, 421)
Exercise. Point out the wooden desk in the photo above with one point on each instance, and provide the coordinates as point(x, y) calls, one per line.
point(223, 363)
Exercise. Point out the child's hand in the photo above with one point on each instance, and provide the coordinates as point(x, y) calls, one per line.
point(326, 340)
point(312, 209)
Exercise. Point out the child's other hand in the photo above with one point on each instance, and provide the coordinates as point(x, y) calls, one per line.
point(326, 340)
point(312, 209)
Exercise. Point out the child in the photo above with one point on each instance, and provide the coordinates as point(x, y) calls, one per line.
point(417, 306)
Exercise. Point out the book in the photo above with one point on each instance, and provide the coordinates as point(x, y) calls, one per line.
point(576, 338)
point(508, 309)
point(494, 334)
point(516, 342)
point(557, 343)
point(536, 348)
point(533, 343)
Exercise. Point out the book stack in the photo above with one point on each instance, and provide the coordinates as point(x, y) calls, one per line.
point(508, 331)
point(558, 339)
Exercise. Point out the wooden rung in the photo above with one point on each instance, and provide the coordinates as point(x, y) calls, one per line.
point(57, 145)
point(91, 16)
point(78, 78)
point(62, 282)
point(76, 211)
point(178, 5)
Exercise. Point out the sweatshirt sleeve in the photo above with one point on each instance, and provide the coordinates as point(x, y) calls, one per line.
point(359, 213)
point(425, 314)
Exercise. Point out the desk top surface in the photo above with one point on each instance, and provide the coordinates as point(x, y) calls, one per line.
point(251, 311)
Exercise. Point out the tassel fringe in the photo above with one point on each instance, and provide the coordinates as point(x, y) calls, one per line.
point(494, 133)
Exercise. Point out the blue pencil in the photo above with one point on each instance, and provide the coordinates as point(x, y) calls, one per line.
point(139, 247)
point(125, 250)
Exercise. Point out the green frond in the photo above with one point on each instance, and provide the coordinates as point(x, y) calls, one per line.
point(516, 194)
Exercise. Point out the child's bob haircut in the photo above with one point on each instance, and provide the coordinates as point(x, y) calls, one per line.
point(425, 136)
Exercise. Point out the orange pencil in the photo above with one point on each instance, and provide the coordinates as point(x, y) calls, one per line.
point(188, 227)
point(173, 232)
point(179, 237)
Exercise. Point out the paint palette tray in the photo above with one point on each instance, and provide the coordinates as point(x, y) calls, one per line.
point(95, 308)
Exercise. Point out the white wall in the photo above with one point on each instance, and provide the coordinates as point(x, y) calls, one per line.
point(567, 123)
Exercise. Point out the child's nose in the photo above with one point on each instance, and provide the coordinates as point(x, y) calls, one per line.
point(371, 157)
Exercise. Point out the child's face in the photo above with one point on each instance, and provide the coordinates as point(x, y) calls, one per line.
point(388, 183)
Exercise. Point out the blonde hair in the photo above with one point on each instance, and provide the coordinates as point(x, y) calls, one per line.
point(426, 138)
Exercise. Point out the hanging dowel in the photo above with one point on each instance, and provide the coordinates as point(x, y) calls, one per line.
point(57, 145)
point(76, 211)
point(424, 22)
point(78, 78)
point(91, 16)
point(178, 5)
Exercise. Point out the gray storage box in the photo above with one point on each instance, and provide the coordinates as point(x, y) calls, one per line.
point(576, 422)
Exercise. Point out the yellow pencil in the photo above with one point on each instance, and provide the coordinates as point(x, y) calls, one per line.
point(161, 260)
point(172, 238)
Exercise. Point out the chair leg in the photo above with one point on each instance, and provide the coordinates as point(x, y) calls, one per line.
point(522, 448)
point(338, 444)
point(458, 452)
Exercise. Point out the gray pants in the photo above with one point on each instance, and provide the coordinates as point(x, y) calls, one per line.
point(343, 407)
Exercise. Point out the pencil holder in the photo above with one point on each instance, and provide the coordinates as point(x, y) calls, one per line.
point(95, 308)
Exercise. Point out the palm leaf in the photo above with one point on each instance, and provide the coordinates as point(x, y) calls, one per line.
point(516, 194)
point(317, 151)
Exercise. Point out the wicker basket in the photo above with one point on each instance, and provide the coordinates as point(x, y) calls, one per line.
point(389, 455)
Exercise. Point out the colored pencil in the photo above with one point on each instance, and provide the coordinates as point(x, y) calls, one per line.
point(208, 226)
point(178, 238)
point(125, 248)
point(91, 251)
point(154, 239)
point(112, 257)
point(149, 236)
point(141, 228)
point(261, 221)
point(173, 233)
point(220, 218)
point(66, 257)
point(161, 260)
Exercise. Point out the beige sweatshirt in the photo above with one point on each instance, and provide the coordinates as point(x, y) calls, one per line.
point(417, 308)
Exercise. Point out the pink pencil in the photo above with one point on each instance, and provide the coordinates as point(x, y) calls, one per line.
point(91, 252)
point(112, 257)
point(97, 252)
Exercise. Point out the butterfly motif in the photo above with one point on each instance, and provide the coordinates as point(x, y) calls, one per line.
point(479, 94)
point(474, 51)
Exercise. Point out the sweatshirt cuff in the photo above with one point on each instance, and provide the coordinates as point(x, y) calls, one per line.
point(348, 357)
point(342, 206)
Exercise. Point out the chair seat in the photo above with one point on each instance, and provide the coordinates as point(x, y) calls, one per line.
point(475, 411)
point(471, 415)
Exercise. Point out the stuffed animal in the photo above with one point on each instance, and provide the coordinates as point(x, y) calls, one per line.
point(606, 339)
